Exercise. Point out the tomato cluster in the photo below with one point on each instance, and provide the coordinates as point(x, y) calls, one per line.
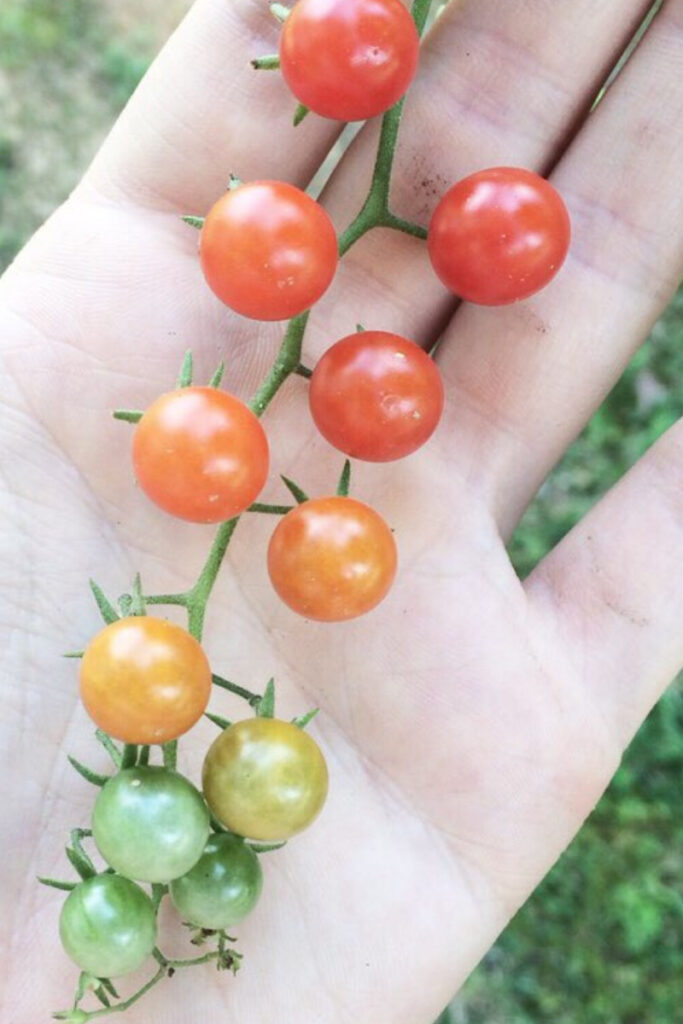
point(146, 681)
point(269, 251)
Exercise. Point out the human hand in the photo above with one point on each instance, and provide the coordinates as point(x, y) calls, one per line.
point(470, 722)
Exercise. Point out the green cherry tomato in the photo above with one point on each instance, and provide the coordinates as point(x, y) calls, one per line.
point(223, 886)
point(108, 926)
point(150, 824)
point(265, 779)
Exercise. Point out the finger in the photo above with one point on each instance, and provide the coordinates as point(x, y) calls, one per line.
point(524, 379)
point(614, 585)
point(498, 83)
point(202, 112)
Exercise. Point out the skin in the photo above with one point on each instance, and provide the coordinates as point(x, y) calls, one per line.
point(349, 60)
point(265, 779)
point(376, 396)
point(150, 824)
point(200, 454)
point(144, 680)
point(471, 722)
point(223, 886)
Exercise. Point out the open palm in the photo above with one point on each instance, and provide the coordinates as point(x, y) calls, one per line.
point(470, 722)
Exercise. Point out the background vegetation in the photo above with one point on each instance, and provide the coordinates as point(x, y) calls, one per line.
point(601, 942)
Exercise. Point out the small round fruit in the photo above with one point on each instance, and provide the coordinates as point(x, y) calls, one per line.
point(200, 454)
point(499, 236)
point(332, 559)
point(265, 779)
point(144, 680)
point(223, 886)
point(150, 824)
point(108, 926)
point(376, 396)
point(268, 250)
point(349, 59)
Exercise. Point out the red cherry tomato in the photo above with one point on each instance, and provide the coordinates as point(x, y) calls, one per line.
point(268, 250)
point(349, 59)
point(145, 680)
point(376, 396)
point(200, 454)
point(332, 559)
point(499, 235)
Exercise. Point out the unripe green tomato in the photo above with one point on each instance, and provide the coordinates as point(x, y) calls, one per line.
point(108, 926)
point(223, 886)
point(150, 824)
point(265, 779)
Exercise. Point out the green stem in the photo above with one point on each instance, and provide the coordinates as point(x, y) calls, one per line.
point(286, 363)
point(198, 597)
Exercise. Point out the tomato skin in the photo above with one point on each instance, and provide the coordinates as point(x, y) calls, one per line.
point(144, 680)
point(332, 559)
point(223, 886)
point(376, 396)
point(265, 779)
point(349, 59)
point(200, 454)
point(150, 824)
point(108, 926)
point(499, 235)
point(268, 250)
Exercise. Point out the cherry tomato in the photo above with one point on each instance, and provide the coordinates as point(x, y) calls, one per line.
point(332, 559)
point(376, 396)
point(268, 250)
point(200, 454)
point(499, 236)
point(108, 926)
point(144, 680)
point(349, 59)
point(265, 779)
point(223, 886)
point(150, 824)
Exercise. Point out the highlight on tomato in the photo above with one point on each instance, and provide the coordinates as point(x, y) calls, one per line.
point(499, 235)
point(265, 779)
point(200, 454)
point(332, 558)
point(376, 396)
point(268, 250)
point(144, 680)
point(108, 926)
point(150, 824)
point(349, 59)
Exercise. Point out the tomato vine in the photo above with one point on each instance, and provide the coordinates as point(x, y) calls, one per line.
point(374, 212)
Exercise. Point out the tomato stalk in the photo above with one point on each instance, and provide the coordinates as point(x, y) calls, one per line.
point(375, 212)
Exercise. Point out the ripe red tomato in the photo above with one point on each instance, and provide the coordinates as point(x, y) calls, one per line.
point(145, 680)
point(376, 396)
point(268, 250)
point(332, 559)
point(200, 454)
point(349, 59)
point(499, 235)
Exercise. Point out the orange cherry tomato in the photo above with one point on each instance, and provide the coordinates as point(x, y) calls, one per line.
point(144, 680)
point(268, 250)
point(200, 454)
point(376, 396)
point(332, 559)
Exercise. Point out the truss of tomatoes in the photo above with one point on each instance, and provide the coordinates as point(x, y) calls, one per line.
point(269, 251)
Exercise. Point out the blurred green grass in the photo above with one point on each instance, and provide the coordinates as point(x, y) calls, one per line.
point(601, 940)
